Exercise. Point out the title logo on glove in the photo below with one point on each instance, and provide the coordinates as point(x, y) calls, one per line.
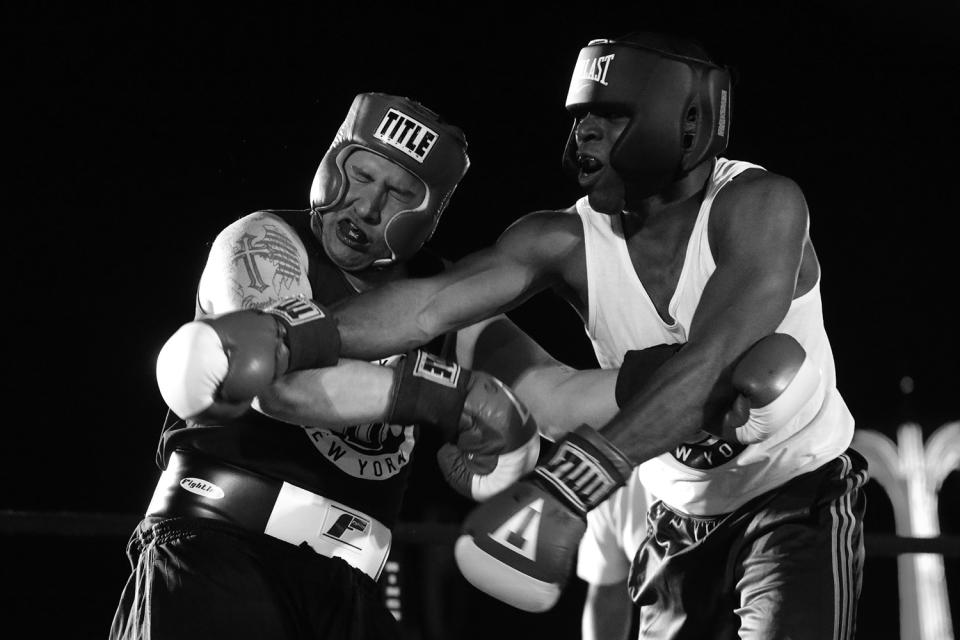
point(402, 132)
point(522, 531)
point(578, 475)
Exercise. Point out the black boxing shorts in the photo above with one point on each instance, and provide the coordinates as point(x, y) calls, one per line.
point(202, 579)
point(788, 564)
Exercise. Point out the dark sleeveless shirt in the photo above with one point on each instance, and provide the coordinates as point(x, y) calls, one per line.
point(366, 466)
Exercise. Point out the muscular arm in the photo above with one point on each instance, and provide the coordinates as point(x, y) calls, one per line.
point(258, 260)
point(353, 392)
point(402, 315)
point(253, 262)
point(758, 234)
point(560, 397)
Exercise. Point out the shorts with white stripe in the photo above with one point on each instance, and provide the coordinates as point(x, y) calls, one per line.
point(788, 564)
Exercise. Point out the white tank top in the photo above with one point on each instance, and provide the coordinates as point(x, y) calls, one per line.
point(709, 476)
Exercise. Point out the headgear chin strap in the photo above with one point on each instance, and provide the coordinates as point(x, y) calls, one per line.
point(679, 110)
point(413, 137)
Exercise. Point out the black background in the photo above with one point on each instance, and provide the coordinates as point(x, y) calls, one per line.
point(135, 131)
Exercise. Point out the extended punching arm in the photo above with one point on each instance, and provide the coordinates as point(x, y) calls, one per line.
point(491, 440)
point(211, 369)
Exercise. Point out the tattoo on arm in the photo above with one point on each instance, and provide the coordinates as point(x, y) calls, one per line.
point(274, 248)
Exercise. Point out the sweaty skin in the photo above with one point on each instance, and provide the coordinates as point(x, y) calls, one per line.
point(758, 233)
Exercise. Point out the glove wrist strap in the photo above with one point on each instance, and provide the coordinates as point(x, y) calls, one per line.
point(585, 468)
point(309, 331)
point(429, 390)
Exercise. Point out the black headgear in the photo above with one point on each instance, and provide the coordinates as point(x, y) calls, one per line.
point(679, 108)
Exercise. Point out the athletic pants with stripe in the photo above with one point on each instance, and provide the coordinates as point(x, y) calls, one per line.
point(787, 564)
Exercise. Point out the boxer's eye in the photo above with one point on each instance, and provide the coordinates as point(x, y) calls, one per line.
point(402, 195)
point(362, 176)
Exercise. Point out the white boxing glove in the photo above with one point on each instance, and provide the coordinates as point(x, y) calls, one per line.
point(211, 369)
point(190, 368)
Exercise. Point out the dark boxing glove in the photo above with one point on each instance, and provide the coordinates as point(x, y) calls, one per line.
point(481, 475)
point(775, 380)
point(638, 366)
point(519, 545)
point(211, 369)
point(491, 438)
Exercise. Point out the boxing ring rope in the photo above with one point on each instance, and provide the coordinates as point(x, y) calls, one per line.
point(89, 524)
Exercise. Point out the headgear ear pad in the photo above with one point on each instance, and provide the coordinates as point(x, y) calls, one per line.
point(412, 136)
point(660, 91)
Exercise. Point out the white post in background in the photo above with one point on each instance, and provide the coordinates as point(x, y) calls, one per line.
point(912, 475)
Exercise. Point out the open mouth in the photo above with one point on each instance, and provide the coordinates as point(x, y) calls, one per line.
point(352, 235)
point(589, 170)
point(587, 164)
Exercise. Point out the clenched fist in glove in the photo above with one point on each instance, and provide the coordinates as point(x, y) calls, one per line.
point(211, 369)
point(775, 381)
point(491, 439)
point(519, 545)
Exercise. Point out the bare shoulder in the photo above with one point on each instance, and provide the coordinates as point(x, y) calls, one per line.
point(255, 260)
point(258, 223)
point(547, 233)
point(759, 199)
point(759, 188)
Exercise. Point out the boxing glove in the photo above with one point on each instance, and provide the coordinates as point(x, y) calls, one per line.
point(638, 366)
point(774, 380)
point(211, 369)
point(492, 438)
point(519, 545)
point(481, 475)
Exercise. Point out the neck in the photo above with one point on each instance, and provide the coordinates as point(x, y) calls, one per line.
point(673, 194)
point(371, 278)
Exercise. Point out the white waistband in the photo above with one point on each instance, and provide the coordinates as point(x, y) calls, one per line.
point(298, 516)
point(329, 528)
